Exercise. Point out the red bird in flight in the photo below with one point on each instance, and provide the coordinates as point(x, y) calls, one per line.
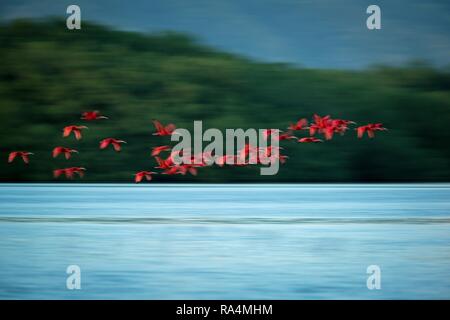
point(188, 168)
point(75, 129)
point(69, 172)
point(181, 169)
point(111, 141)
point(163, 130)
point(67, 152)
point(286, 136)
point(370, 129)
point(309, 140)
point(299, 125)
point(138, 177)
point(335, 126)
point(157, 150)
point(164, 164)
point(172, 170)
point(92, 115)
point(23, 154)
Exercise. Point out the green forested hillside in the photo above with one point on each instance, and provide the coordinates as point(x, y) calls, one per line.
point(49, 75)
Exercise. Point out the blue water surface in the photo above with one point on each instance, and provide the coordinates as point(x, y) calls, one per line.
point(230, 241)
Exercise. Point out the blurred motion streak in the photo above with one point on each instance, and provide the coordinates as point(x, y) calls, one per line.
point(49, 74)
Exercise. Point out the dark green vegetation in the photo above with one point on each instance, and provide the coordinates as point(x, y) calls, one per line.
point(48, 75)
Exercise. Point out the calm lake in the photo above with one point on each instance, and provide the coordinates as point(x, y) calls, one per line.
point(157, 241)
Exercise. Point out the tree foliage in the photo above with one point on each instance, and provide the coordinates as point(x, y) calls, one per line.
point(49, 75)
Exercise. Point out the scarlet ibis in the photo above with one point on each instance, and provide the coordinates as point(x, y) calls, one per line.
point(309, 140)
point(328, 126)
point(67, 152)
point(23, 154)
point(163, 130)
point(370, 129)
point(181, 169)
point(329, 131)
point(58, 172)
point(282, 158)
point(336, 126)
point(139, 176)
point(299, 125)
point(164, 164)
point(92, 115)
point(188, 168)
point(75, 129)
point(342, 123)
point(286, 136)
point(157, 150)
point(111, 141)
point(319, 124)
point(69, 172)
point(174, 170)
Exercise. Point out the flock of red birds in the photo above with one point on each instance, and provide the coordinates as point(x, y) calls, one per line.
point(325, 126)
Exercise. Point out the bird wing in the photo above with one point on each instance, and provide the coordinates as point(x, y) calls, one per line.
point(67, 131)
point(77, 133)
point(156, 151)
point(193, 171)
point(57, 172)
point(360, 131)
point(116, 146)
point(12, 156)
point(138, 177)
point(302, 123)
point(69, 173)
point(181, 169)
point(56, 152)
point(317, 118)
point(170, 128)
point(329, 133)
point(159, 161)
point(159, 127)
point(104, 143)
point(171, 170)
point(25, 158)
